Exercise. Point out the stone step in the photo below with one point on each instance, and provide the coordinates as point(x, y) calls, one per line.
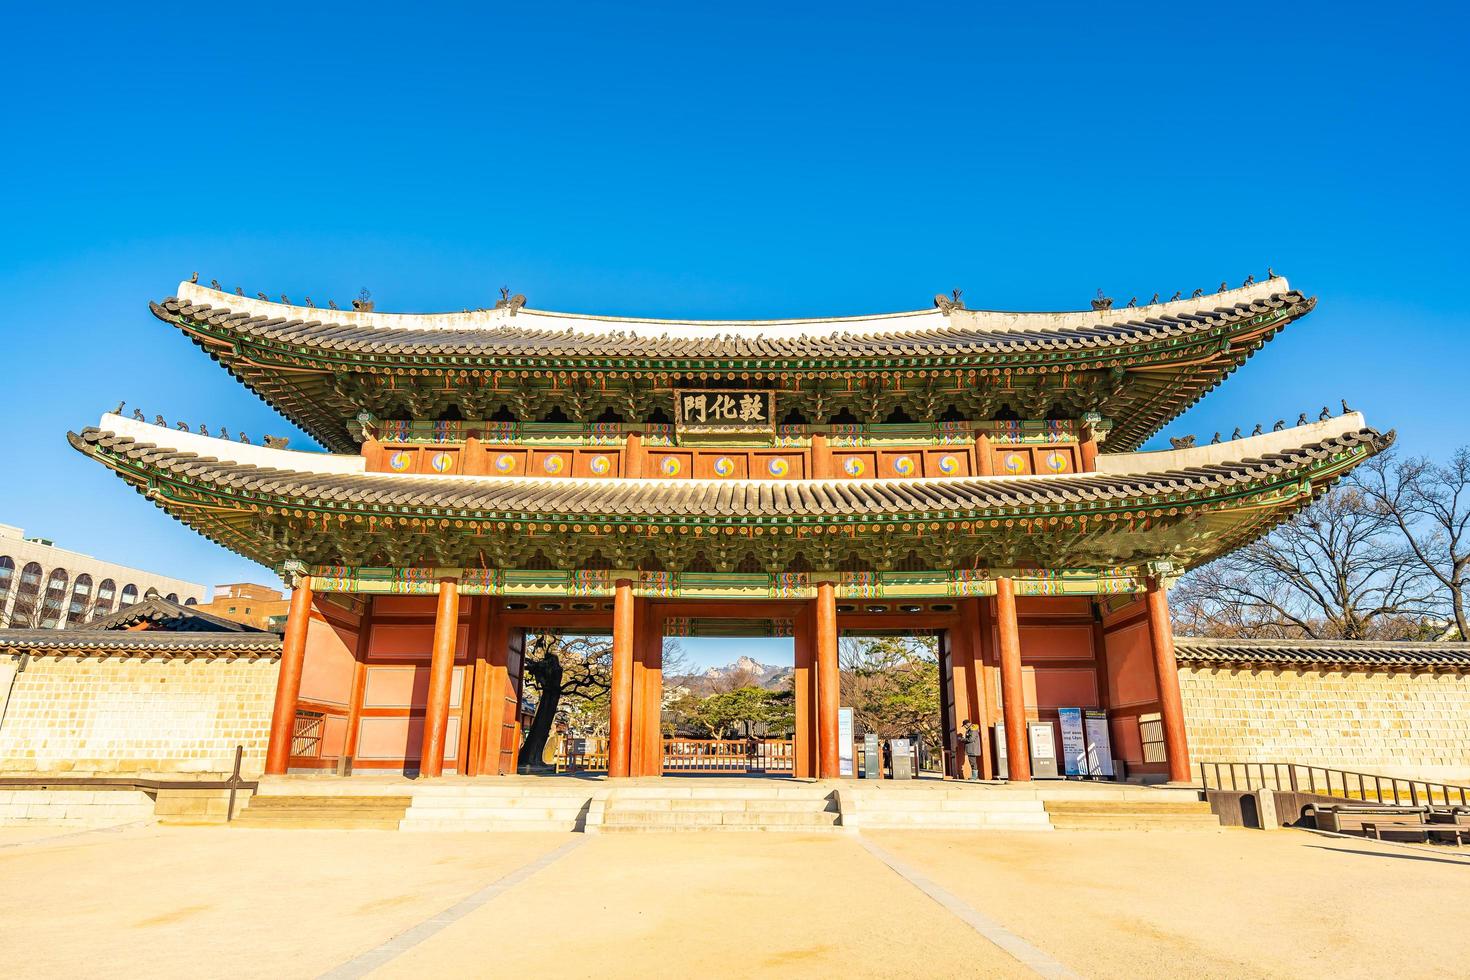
point(716, 791)
point(1126, 806)
point(957, 820)
point(254, 814)
point(986, 827)
point(245, 822)
point(501, 791)
point(647, 804)
point(335, 786)
point(707, 818)
point(1130, 822)
point(343, 803)
point(478, 825)
point(720, 828)
point(888, 805)
point(500, 802)
point(955, 792)
point(300, 812)
point(507, 814)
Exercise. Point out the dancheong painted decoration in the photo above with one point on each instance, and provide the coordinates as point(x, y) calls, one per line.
point(937, 463)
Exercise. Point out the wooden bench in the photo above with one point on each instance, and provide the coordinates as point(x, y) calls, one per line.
point(1424, 831)
point(1351, 818)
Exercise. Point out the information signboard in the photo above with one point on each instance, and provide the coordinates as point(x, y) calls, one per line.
point(1099, 746)
point(1002, 760)
point(900, 749)
point(872, 757)
point(845, 763)
point(1043, 750)
point(1074, 746)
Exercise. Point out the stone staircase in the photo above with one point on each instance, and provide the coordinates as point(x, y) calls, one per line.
point(942, 806)
point(549, 805)
point(328, 812)
point(570, 805)
point(1131, 814)
point(795, 807)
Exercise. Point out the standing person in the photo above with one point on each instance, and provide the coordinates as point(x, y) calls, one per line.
point(972, 735)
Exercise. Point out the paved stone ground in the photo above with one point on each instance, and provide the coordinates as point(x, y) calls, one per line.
point(175, 902)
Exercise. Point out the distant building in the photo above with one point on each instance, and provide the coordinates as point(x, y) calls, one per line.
point(245, 602)
point(46, 587)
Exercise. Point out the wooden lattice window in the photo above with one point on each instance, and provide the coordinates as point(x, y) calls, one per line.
point(306, 735)
point(1151, 734)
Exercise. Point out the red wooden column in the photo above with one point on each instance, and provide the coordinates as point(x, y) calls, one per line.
point(359, 682)
point(821, 457)
point(651, 644)
point(441, 679)
point(633, 455)
point(984, 461)
point(829, 693)
point(1087, 447)
point(1012, 688)
point(964, 676)
point(1166, 672)
point(804, 745)
point(620, 736)
point(288, 681)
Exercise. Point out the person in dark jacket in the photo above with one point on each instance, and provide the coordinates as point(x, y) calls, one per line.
point(970, 736)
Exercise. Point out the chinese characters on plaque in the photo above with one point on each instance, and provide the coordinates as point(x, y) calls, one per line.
point(725, 411)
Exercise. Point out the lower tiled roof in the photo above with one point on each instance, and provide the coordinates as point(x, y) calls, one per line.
point(717, 499)
point(1321, 653)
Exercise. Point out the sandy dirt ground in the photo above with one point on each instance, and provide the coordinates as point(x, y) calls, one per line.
point(174, 902)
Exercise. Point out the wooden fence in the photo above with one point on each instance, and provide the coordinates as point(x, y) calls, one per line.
point(773, 756)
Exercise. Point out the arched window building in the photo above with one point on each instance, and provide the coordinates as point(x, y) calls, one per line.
point(78, 610)
point(27, 594)
point(106, 593)
point(54, 598)
point(43, 586)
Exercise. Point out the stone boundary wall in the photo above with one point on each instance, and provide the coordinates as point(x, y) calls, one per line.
point(1395, 723)
point(130, 715)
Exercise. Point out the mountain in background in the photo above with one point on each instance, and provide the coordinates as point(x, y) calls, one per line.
point(745, 671)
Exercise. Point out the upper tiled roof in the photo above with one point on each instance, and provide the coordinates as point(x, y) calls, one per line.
point(1140, 366)
point(540, 335)
point(1321, 653)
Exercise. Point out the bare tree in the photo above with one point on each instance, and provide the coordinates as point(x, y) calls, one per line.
point(32, 612)
point(1339, 570)
point(1430, 504)
point(892, 684)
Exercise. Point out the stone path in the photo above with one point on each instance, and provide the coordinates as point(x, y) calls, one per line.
point(172, 902)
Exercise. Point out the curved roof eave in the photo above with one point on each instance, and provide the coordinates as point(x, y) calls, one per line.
point(231, 469)
point(526, 332)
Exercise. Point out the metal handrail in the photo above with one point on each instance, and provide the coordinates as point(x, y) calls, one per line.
point(1346, 784)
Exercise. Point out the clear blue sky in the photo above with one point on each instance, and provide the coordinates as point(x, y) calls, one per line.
point(750, 160)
